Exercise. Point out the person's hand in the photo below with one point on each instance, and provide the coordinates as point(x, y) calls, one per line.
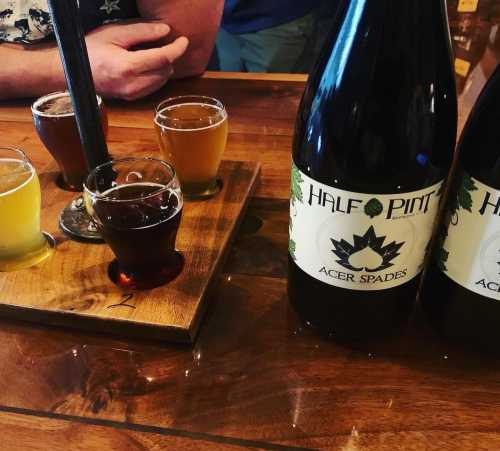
point(129, 74)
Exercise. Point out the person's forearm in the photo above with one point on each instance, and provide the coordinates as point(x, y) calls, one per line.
point(199, 20)
point(29, 71)
point(201, 23)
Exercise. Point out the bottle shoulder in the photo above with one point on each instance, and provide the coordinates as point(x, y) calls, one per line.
point(381, 108)
point(479, 146)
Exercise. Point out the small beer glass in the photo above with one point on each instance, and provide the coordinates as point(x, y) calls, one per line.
point(137, 205)
point(192, 133)
point(22, 244)
point(55, 123)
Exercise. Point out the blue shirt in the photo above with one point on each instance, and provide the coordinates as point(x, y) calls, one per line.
point(247, 16)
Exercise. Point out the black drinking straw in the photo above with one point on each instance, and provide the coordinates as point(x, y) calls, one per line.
point(70, 39)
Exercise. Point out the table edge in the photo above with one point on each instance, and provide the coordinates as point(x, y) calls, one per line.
point(255, 76)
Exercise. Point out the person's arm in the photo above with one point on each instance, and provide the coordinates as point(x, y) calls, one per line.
point(28, 71)
point(198, 20)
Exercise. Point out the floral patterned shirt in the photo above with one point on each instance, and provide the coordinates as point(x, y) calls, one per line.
point(28, 21)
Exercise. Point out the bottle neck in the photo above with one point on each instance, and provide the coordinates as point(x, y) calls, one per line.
point(481, 133)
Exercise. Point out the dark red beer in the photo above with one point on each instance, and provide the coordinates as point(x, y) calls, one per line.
point(141, 233)
point(137, 205)
point(56, 126)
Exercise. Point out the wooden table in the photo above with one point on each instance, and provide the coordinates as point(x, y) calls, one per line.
point(256, 378)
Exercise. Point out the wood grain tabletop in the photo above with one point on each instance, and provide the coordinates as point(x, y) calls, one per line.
point(256, 378)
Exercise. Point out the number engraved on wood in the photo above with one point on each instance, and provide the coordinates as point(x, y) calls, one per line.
point(125, 298)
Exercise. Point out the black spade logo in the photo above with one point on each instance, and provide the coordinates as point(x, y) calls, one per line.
point(367, 253)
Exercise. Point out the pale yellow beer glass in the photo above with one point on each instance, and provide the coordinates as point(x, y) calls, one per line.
point(192, 133)
point(22, 244)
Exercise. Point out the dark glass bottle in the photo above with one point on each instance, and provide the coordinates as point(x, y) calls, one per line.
point(374, 140)
point(461, 289)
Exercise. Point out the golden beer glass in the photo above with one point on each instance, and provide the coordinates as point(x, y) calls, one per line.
point(192, 134)
point(22, 244)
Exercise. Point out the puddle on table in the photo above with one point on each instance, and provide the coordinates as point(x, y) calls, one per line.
point(87, 377)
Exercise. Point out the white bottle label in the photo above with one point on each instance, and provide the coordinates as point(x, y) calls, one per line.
point(470, 254)
point(359, 241)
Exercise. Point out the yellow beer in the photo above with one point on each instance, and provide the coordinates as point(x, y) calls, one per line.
point(192, 133)
point(21, 242)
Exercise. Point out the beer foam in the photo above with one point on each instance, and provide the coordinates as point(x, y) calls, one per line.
point(57, 104)
point(13, 175)
point(205, 106)
point(110, 196)
point(108, 193)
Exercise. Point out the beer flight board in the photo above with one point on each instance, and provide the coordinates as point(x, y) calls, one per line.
point(72, 287)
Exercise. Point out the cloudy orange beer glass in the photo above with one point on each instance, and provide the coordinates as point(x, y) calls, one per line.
point(192, 133)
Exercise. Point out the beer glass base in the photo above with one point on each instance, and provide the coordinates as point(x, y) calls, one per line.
point(76, 222)
point(206, 193)
point(32, 258)
point(146, 280)
point(61, 183)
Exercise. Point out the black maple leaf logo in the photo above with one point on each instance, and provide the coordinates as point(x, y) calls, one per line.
point(345, 250)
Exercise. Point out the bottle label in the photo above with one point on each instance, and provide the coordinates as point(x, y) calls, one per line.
point(359, 241)
point(469, 253)
point(467, 6)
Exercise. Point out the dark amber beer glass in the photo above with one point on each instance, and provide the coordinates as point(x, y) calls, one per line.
point(192, 133)
point(137, 205)
point(56, 126)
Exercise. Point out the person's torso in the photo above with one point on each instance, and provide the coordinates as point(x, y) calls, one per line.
point(246, 16)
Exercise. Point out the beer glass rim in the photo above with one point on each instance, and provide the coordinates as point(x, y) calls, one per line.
point(25, 160)
point(104, 197)
point(54, 95)
point(183, 100)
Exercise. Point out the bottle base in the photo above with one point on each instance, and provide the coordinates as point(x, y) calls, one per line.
point(349, 315)
point(351, 333)
point(458, 315)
